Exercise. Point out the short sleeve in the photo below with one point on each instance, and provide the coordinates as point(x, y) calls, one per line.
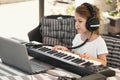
point(101, 48)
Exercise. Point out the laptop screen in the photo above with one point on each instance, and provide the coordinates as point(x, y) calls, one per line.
point(14, 54)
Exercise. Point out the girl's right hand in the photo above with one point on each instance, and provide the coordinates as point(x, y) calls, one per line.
point(58, 47)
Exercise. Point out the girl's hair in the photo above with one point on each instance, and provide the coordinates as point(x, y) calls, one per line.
point(84, 12)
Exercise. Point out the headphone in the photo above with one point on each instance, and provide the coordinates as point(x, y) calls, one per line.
point(92, 23)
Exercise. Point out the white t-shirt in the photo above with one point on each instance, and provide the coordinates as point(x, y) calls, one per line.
point(94, 48)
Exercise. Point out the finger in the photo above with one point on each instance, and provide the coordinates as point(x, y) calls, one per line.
point(55, 48)
point(81, 55)
point(84, 56)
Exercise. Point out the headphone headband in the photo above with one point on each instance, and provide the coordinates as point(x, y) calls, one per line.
point(92, 22)
point(90, 8)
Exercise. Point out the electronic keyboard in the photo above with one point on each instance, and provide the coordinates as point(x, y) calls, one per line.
point(68, 61)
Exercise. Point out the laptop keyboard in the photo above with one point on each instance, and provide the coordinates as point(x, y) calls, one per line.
point(37, 68)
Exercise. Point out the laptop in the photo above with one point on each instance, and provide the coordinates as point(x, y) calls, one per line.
point(15, 55)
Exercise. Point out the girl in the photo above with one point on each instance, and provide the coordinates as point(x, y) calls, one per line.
point(88, 43)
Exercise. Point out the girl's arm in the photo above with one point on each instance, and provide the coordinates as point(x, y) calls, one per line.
point(101, 58)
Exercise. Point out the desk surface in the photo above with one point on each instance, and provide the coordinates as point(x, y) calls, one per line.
point(9, 73)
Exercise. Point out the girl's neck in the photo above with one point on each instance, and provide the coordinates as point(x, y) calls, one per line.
point(89, 35)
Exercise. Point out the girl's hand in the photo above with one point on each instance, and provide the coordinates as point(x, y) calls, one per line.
point(58, 47)
point(86, 56)
point(101, 58)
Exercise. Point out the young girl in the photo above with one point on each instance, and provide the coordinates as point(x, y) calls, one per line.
point(87, 19)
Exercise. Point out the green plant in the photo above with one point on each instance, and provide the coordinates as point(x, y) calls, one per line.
point(109, 1)
point(115, 13)
point(70, 10)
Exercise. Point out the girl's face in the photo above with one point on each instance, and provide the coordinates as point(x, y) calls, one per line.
point(80, 24)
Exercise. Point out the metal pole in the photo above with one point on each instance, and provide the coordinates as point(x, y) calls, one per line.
point(41, 8)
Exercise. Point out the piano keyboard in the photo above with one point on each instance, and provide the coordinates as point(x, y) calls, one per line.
point(67, 57)
point(66, 60)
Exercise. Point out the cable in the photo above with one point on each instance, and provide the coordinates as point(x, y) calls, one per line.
point(62, 77)
point(79, 45)
point(42, 44)
point(39, 45)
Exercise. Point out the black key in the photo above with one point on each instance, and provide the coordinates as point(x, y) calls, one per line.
point(44, 49)
point(68, 57)
point(87, 64)
point(77, 60)
point(52, 52)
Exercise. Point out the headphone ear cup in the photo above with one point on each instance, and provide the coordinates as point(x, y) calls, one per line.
point(92, 24)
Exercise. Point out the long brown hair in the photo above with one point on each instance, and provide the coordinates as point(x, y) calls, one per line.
point(84, 12)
